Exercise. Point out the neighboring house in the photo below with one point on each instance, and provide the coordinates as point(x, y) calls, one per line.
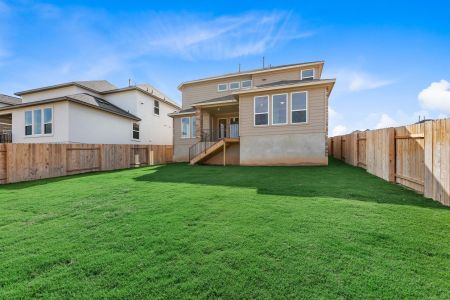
point(91, 112)
point(269, 116)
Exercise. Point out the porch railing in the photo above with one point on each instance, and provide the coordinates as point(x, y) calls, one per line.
point(5, 138)
point(210, 136)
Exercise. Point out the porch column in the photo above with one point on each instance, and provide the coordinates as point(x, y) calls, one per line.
point(199, 122)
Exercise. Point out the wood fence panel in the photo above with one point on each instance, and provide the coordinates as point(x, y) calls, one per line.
point(349, 149)
point(380, 153)
point(35, 161)
point(139, 155)
point(169, 153)
point(409, 163)
point(361, 149)
point(115, 157)
point(441, 161)
point(3, 163)
point(428, 159)
point(337, 147)
point(81, 158)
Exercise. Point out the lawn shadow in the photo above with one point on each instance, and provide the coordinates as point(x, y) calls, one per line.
point(337, 180)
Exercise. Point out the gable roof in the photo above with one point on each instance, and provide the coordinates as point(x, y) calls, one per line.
point(96, 86)
point(9, 100)
point(83, 99)
point(284, 84)
point(254, 71)
point(218, 100)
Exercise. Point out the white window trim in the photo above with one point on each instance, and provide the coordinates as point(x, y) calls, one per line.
point(42, 134)
point(239, 85)
point(132, 132)
point(287, 110)
point(226, 87)
point(255, 113)
point(159, 108)
point(245, 88)
point(313, 76)
point(189, 128)
point(306, 109)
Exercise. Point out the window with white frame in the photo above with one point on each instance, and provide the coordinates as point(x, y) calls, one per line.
point(261, 110)
point(246, 84)
point(38, 122)
point(279, 109)
point(193, 127)
point(307, 74)
point(299, 107)
point(235, 85)
point(29, 123)
point(185, 127)
point(222, 87)
point(48, 121)
point(156, 107)
point(136, 131)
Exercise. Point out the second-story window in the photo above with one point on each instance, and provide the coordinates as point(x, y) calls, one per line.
point(246, 84)
point(156, 108)
point(235, 85)
point(307, 74)
point(136, 131)
point(222, 87)
point(261, 104)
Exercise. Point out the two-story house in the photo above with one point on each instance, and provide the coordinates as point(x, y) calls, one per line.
point(269, 116)
point(94, 112)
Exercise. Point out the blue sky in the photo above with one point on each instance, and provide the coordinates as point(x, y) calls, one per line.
point(391, 59)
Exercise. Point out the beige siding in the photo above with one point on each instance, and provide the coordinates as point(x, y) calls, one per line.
point(181, 145)
point(201, 91)
point(291, 74)
point(317, 114)
point(206, 90)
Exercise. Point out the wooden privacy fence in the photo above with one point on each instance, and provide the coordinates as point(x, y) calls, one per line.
point(416, 156)
point(23, 162)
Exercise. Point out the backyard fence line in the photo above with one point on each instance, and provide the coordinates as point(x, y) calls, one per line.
point(416, 156)
point(24, 162)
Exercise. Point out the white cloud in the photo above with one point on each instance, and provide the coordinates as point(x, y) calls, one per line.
point(436, 96)
point(339, 130)
point(352, 80)
point(199, 37)
point(386, 121)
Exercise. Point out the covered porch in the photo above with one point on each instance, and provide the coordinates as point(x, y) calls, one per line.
point(217, 127)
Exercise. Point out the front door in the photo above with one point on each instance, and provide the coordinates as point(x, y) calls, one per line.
point(222, 128)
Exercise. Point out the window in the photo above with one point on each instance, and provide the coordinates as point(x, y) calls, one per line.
point(185, 127)
point(261, 110)
point(221, 87)
point(246, 84)
point(299, 107)
point(235, 85)
point(193, 127)
point(307, 74)
point(37, 120)
point(156, 108)
point(28, 123)
point(48, 121)
point(279, 109)
point(135, 131)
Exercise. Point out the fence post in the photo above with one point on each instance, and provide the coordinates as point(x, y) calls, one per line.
point(428, 159)
point(392, 153)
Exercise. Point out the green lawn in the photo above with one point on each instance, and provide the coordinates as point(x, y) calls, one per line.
point(178, 231)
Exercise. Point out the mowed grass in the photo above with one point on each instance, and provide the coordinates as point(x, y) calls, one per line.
point(178, 231)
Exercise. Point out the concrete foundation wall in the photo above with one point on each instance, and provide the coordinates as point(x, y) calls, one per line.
point(181, 152)
point(284, 149)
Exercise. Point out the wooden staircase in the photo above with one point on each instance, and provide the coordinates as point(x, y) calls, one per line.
point(213, 149)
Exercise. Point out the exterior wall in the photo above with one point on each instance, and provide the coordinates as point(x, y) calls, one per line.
point(54, 93)
point(289, 144)
point(60, 124)
point(92, 126)
point(181, 145)
point(205, 90)
point(153, 129)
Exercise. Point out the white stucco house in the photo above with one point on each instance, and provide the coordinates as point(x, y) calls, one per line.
point(91, 112)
